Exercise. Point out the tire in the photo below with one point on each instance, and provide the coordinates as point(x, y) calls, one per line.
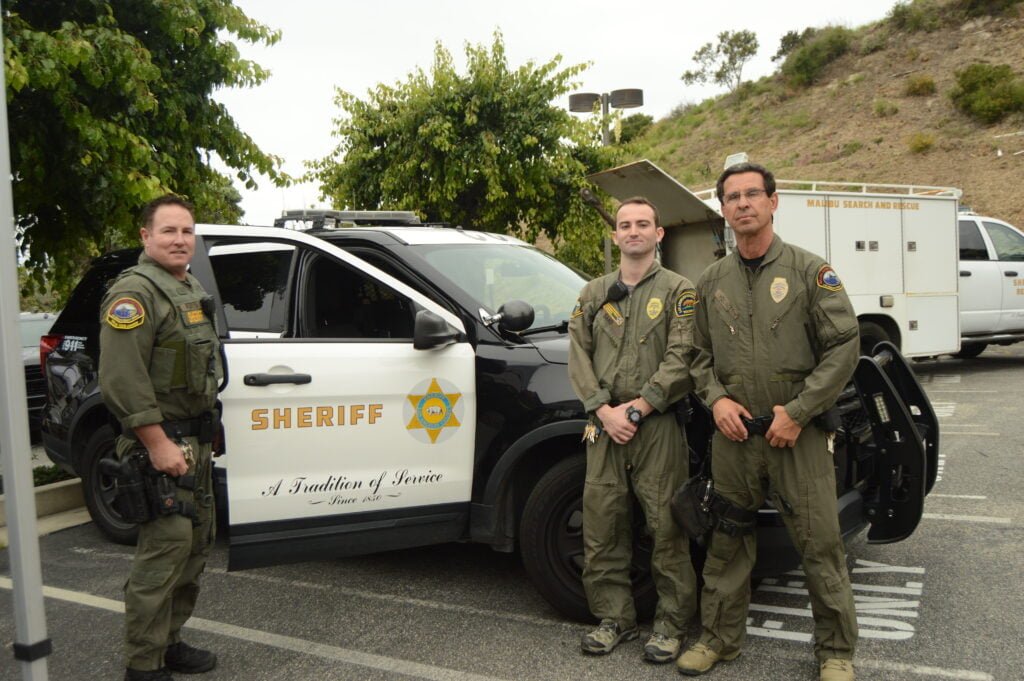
point(871, 334)
point(971, 351)
point(551, 543)
point(98, 489)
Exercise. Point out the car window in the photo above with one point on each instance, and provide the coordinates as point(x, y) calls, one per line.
point(1009, 243)
point(495, 274)
point(342, 302)
point(83, 307)
point(972, 246)
point(253, 287)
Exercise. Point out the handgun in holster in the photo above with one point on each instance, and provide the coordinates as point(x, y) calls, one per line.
point(143, 493)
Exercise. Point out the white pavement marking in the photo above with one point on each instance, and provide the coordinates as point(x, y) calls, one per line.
point(946, 432)
point(957, 496)
point(296, 645)
point(370, 595)
point(964, 674)
point(968, 518)
point(964, 391)
point(943, 409)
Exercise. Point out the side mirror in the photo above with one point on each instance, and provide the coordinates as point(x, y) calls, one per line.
point(430, 331)
point(515, 316)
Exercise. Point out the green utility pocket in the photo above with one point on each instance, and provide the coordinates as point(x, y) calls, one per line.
point(200, 365)
point(161, 369)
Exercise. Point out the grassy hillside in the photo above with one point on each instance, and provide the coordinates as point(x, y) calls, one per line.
point(859, 120)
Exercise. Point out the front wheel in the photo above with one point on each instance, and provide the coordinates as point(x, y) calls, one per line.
point(551, 541)
point(99, 491)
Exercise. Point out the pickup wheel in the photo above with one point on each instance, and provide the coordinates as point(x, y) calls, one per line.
point(98, 489)
point(551, 542)
point(971, 351)
point(871, 334)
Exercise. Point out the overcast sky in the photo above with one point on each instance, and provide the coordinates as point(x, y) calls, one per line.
point(355, 45)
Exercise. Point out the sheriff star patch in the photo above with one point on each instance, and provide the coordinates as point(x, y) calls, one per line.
point(828, 279)
point(126, 313)
point(686, 303)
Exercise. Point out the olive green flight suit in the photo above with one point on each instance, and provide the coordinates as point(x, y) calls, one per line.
point(784, 334)
point(638, 346)
point(160, 361)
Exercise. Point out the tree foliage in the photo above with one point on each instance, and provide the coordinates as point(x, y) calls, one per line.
point(109, 105)
point(487, 149)
point(634, 126)
point(723, 62)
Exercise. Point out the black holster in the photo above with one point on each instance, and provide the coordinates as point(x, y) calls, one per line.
point(142, 493)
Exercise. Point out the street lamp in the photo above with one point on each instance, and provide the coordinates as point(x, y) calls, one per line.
point(584, 102)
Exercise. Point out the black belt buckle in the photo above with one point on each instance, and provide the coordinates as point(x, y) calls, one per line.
point(758, 425)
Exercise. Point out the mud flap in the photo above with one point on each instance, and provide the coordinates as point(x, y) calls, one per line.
point(903, 379)
point(895, 500)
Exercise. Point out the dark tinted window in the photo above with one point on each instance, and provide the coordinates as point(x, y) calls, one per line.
point(1009, 244)
point(253, 288)
point(341, 302)
point(83, 306)
point(972, 246)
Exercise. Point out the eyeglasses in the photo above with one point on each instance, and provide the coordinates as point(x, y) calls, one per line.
point(750, 195)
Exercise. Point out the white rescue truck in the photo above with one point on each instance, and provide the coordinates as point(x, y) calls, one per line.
point(895, 247)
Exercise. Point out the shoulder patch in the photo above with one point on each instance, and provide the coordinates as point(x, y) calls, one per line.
point(686, 303)
point(578, 310)
point(828, 279)
point(126, 313)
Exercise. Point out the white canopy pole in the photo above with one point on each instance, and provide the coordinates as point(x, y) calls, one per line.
point(31, 645)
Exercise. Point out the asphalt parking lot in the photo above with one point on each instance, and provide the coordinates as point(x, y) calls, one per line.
point(945, 604)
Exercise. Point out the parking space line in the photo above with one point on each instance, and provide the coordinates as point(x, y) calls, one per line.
point(957, 496)
point(369, 595)
point(941, 672)
point(968, 518)
point(986, 434)
point(291, 643)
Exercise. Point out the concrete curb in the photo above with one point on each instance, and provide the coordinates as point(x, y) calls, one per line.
point(53, 498)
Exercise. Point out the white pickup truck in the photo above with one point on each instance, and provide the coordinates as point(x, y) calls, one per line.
point(921, 274)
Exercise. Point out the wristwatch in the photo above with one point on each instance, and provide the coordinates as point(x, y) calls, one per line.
point(634, 415)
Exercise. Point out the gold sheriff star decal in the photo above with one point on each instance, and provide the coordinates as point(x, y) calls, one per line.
point(433, 410)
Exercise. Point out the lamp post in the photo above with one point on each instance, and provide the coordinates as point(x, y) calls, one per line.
point(584, 102)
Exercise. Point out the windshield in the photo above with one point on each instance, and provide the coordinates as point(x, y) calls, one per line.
point(493, 274)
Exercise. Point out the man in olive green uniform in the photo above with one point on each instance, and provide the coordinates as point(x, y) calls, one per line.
point(775, 335)
point(628, 364)
point(159, 371)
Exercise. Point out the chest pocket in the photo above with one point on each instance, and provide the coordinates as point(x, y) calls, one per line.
point(606, 324)
point(201, 364)
point(789, 336)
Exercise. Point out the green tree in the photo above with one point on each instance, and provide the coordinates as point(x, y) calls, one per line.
point(109, 105)
point(723, 62)
point(487, 149)
point(633, 126)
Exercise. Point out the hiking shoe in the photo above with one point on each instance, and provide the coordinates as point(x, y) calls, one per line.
point(661, 648)
point(603, 640)
point(835, 669)
point(699, 659)
point(181, 657)
point(152, 675)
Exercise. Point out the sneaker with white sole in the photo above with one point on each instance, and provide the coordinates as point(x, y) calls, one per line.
point(661, 648)
point(603, 640)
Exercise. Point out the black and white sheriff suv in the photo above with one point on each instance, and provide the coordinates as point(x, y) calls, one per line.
point(393, 384)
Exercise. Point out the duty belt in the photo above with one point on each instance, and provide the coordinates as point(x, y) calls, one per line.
point(202, 427)
point(758, 425)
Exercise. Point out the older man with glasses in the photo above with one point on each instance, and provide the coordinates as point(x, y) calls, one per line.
point(776, 341)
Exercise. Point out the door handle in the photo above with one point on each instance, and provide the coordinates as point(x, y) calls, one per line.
point(965, 273)
point(1010, 273)
point(272, 379)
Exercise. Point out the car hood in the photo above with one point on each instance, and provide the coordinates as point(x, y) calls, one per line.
point(554, 349)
